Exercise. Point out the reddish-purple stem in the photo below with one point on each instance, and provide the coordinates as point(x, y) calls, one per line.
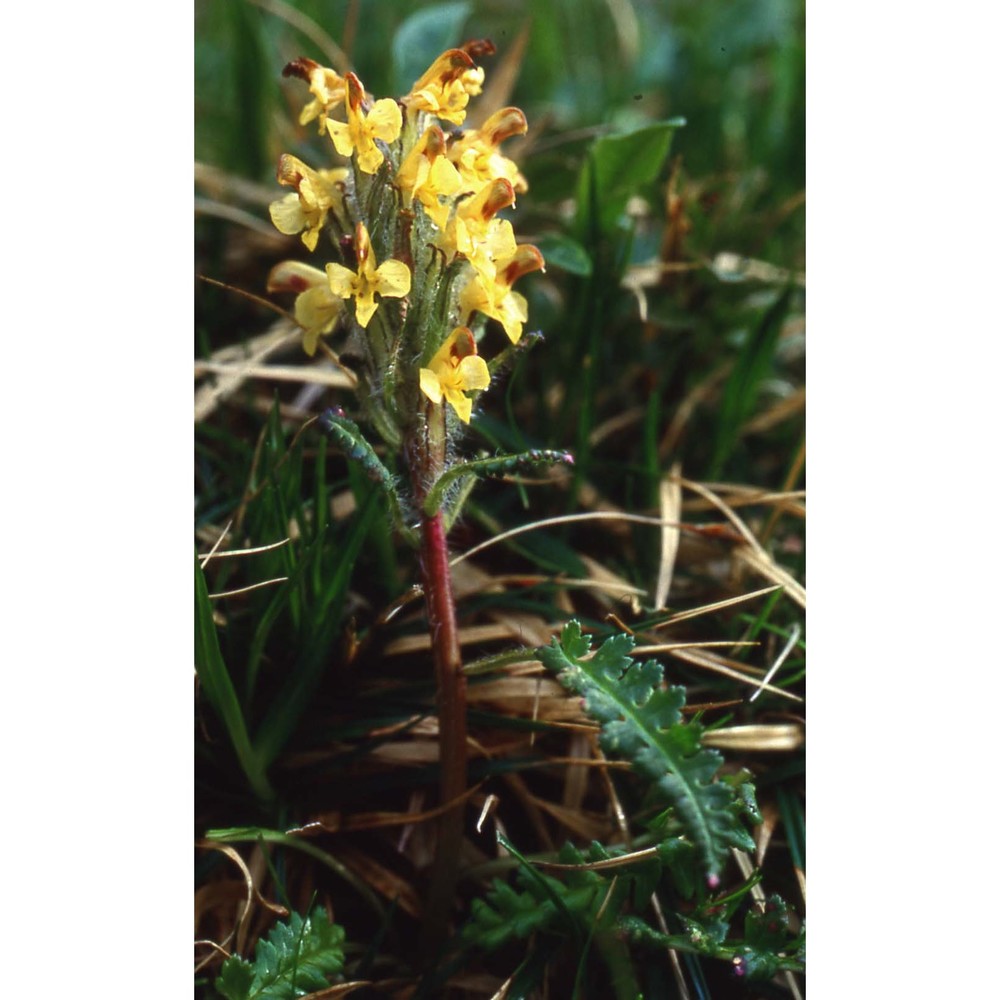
point(451, 686)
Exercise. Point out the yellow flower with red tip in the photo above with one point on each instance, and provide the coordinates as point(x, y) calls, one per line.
point(326, 86)
point(358, 134)
point(454, 370)
point(495, 298)
point(317, 309)
point(445, 88)
point(474, 232)
point(477, 153)
point(316, 193)
point(390, 279)
point(428, 175)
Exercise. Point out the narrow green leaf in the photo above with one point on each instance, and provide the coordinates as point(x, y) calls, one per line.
point(253, 834)
point(355, 446)
point(752, 366)
point(218, 687)
point(280, 722)
point(486, 468)
point(252, 82)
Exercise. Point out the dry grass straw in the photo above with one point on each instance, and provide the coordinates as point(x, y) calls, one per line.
point(209, 896)
point(670, 537)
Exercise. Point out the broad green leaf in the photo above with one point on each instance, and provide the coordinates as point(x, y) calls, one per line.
point(615, 168)
point(566, 254)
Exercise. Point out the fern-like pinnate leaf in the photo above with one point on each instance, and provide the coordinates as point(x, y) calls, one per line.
point(298, 957)
point(641, 720)
point(538, 903)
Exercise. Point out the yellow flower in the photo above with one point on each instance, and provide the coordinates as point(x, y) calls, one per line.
point(326, 86)
point(454, 370)
point(390, 279)
point(445, 88)
point(317, 309)
point(474, 232)
point(359, 132)
point(428, 174)
point(316, 192)
point(477, 153)
point(495, 298)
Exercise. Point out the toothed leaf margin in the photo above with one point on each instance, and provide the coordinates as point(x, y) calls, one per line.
point(641, 720)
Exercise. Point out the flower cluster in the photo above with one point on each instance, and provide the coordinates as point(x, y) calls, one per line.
point(423, 256)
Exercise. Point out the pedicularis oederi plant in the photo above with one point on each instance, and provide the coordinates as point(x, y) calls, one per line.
point(413, 259)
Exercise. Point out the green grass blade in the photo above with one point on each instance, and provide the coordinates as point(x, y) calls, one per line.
point(752, 367)
point(279, 724)
point(218, 688)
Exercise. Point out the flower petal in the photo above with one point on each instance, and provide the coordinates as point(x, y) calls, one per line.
point(513, 313)
point(365, 304)
point(287, 215)
point(392, 278)
point(370, 157)
point(311, 236)
point(461, 403)
point(340, 133)
point(430, 385)
point(294, 276)
point(385, 120)
point(473, 373)
point(317, 311)
point(342, 281)
point(444, 177)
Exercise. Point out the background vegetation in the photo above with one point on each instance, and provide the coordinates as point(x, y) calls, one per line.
point(672, 312)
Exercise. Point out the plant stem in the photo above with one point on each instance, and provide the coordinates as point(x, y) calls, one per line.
point(427, 463)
